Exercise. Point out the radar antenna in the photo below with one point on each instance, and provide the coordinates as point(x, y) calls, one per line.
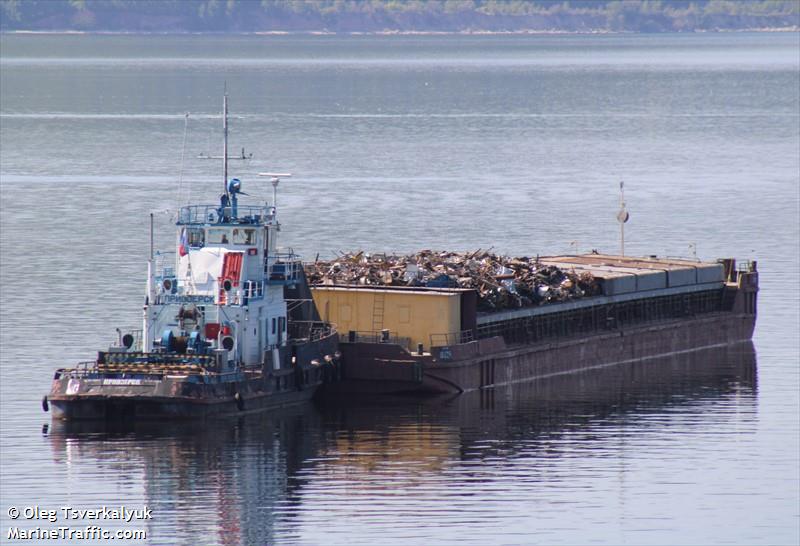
point(275, 178)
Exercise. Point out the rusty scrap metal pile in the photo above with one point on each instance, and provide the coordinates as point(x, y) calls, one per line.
point(501, 282)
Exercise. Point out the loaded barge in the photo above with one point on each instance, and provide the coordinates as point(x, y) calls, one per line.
point(229, 325)
point(435, 339)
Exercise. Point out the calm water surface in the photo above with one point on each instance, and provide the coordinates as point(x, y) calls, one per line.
point(397, 144)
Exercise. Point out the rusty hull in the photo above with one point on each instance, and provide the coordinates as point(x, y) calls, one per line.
point(390, 368)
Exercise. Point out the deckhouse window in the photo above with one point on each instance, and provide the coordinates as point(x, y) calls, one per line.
point(243, 236)
point(196, 237)
point(219, 236)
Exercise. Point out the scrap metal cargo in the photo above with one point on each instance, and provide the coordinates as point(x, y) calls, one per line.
point(500, 281)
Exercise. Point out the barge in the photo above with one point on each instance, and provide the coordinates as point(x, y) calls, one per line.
point(228, 327)
point(434, 339)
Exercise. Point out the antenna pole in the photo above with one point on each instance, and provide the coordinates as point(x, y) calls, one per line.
point(151, 293)
point(622, 217)
point(622, 224)
point(275, 178)
point(151, 237)
point(225, 142)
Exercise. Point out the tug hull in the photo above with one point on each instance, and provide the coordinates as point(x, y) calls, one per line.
point(95, 393)
point(125, 408)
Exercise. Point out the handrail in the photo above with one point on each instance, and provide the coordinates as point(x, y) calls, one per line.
point(282, 267)
point(371, 336)
point(311, 330)
point(452, 338)
point(253, 289)
point(137, 338)
point(214, 214)
point(745, 266)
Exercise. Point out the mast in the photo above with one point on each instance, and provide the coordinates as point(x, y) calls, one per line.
point(621, 220)
point(152, 252)
point(225, 142)
point(224, 157)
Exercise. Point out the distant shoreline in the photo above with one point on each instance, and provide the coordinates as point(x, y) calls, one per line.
point(395, 32)
point(399, 17)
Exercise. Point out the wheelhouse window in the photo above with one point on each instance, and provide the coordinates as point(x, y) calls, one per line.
point(196, 237)
point(218, 236)
point(242, 236)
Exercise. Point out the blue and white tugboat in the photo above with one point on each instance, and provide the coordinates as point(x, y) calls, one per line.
point(229, 326)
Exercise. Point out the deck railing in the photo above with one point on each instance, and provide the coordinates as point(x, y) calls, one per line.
point(214, 214)
point(603, 317)
point(283, 268)
point(253, 290)
point(453, 338)
point(310, 330)
point(379, 336)
point(137, 338)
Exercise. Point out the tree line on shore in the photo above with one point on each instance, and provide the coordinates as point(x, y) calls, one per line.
point(353, 16)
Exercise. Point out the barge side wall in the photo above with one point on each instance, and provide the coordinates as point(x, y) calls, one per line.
point(523, 363)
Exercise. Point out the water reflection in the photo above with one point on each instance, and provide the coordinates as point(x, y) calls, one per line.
point(220, 480)
point(289, 476)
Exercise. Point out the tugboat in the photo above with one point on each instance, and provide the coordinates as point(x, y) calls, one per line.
point(229, 326)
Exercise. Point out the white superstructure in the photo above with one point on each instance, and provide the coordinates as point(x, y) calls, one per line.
point(225, 289)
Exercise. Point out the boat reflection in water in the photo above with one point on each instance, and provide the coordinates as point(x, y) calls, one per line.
point(289, 476)
point(225, 480)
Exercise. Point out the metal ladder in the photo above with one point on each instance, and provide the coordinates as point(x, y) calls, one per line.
point(377, 310)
